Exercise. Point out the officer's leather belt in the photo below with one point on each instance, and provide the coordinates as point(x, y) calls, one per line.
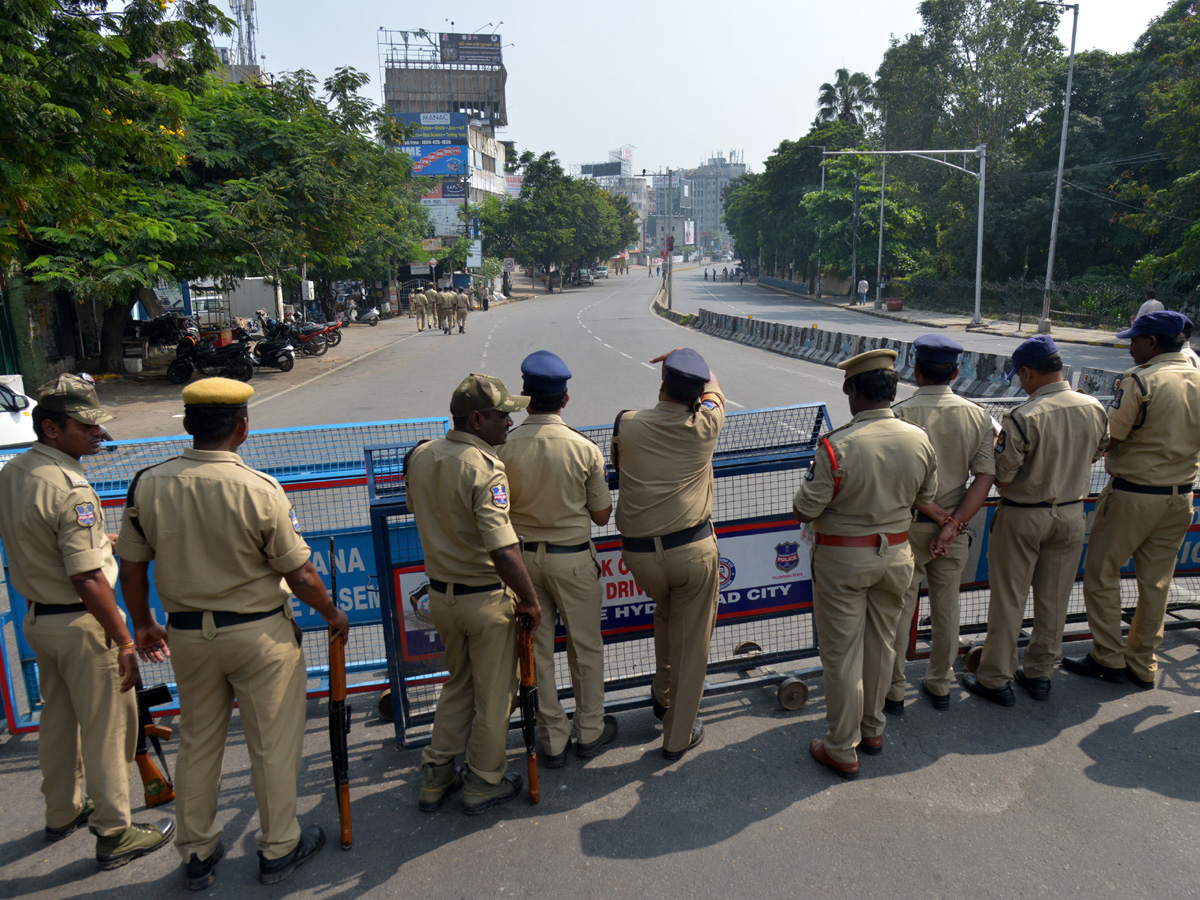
point(459, 589)
point(194, 621)
point(862, 540)
point(533, 547)
point(926, 520)
point(1042, 505)
point(669, 541)
point(53, 609)
point(1120, 484)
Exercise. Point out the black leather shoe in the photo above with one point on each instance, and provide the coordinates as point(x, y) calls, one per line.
point(697, 740)
point(556, 760)
point(1085, 665)
point(893, 707)
point(1037, 688)
point(273, 871)
point(659, 709)
point(1140, 682)
point(1003, 696)
point(607, 736)
point(937, 701)
point(54, 835)
point(201, 873)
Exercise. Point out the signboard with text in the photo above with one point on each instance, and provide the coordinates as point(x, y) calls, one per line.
point(471, 49)
point(434, 160)
point(435, 129)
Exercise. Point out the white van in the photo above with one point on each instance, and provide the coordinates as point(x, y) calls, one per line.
point(16, 414)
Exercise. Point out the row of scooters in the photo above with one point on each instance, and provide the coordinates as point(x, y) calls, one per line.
point(266, 343)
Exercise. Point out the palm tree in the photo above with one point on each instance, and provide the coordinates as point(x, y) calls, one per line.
point(847, 99)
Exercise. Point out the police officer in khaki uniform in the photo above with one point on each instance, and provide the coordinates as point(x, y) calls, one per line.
point(859, 494)
point(558, 490)
point(1146, 508)
point(962, 438)
point(1044, 461)
point(227, 551)
point(419, 307)
point(458, 493)
point(446, 310)
point(462, 303)
point(664, 456)
point(61, 560)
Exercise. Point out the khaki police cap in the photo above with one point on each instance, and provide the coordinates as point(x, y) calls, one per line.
point(868, 362)
point(480, 393)
point(217, 393)
point(75, 396)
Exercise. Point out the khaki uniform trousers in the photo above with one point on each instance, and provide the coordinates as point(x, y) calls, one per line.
point(479, 632)
point(420, 318)
point(568, 585)
point(88, 728)
point(460, 316)
point(1038, 548)
point(857, 599)
point(683, 582)
point(260, 665)
point(944, 575)
point(445, 317)
point(1151, 529)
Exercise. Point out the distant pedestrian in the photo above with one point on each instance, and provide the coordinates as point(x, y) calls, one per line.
point(706, 274)
point(862, 291)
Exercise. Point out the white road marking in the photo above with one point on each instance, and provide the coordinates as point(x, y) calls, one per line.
point(647, 365)
point(624, 354)
point(734, 403)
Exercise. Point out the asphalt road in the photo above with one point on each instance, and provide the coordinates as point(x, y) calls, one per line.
point(1091, 795)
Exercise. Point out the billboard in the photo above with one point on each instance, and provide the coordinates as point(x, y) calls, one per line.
point(601, 170)
point(512, 184)
point(438, 129)
point(443, 216)
point(689, 232)
point(472, 49)
point(431, 160)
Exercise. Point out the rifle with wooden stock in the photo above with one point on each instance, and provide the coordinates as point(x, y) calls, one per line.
point(156, 785)
point(339, 719)
point(529, 702)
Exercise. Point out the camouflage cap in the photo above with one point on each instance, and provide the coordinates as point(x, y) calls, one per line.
point(74, 395)
point(480, 393)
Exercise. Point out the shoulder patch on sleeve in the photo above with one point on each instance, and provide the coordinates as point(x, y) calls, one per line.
point(1001, 442)
point(295, 521)
point(500, 496)
point(85, 515)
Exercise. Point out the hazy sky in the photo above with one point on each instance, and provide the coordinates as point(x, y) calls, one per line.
point(680, 82)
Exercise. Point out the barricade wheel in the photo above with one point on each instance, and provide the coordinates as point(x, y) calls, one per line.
point(974, 655)
point(746, 647)
point(793, 693)
point(385, 706)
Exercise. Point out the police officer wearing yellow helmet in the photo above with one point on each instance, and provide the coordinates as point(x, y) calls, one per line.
point(458, 494)
point(61, 560)
point(859, 494)
point(228, 552)
point(1044, 461)
point(1146, 509)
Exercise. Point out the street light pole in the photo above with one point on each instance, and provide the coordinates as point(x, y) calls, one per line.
point(670, 233)
point(1044, 322)
point(882, 186)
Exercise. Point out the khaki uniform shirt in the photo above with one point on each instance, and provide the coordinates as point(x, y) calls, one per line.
point(886, 467)
point(1048, 444)
point(418, 301)
point(458, 492)
point(220, 532)
point(1156, 417)
point(961, 434)
point(52, 525)
point(446, 300)
point(462, 301)
point(665, 461)
point(557, 479)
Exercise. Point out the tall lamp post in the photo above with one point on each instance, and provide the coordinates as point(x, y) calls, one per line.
point(1044, 322)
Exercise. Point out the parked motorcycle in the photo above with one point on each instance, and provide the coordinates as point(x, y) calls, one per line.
point(308, 339)
point(230, 361)
point(273, 354)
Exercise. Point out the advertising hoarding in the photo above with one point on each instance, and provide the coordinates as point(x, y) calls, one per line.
point(431, 160)
point(512, 184)
point(472, 49)
point(436, 129)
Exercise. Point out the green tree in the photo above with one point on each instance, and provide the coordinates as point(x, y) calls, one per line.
point(846, 99)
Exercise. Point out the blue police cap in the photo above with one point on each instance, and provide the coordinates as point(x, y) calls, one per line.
point(544, 372)
point(1164, 321)
point(936, 348)
point(686, 368)
point(1037, 347)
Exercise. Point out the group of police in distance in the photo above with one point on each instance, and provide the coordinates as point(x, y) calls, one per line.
point(447, 308)
point(505, 519)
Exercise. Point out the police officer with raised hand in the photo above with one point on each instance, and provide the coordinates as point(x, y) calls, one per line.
point(962, 438)
point(859, 494)
point(1146, 509)
point(227, 548)
point(664, 513)
point(1044, 461)
point(478, 588)
point(558, 491)
point(61, 560)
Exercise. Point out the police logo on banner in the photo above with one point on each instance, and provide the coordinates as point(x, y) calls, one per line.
point(727, 571)
point(500, 496)
point(85, 515)
point(787, 556)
